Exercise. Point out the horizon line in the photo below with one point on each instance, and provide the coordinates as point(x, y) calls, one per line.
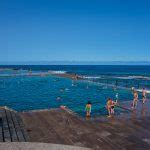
point(61, 62)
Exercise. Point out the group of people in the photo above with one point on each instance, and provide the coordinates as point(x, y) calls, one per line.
point(136, 97)
point(110, 105)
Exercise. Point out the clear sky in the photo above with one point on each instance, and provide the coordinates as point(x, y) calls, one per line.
point(81, 30)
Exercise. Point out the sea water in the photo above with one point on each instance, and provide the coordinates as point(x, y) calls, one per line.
point(22, 92)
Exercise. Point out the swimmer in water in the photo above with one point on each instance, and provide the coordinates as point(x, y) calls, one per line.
point(61, 90)
point(88, 109)
point(114, 88)
point(143, 95)
point(58, 98)
point(66, 89)
point(135, 100)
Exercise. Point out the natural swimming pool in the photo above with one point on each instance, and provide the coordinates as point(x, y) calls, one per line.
point(24, 93)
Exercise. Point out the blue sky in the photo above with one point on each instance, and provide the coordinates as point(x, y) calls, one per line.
point(80, 30)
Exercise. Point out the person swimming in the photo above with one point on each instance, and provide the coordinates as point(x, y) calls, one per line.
point(135, 99)
point(88, 109)
point(110, 107)
point(58, 98)
point(66, 89)
point(61, 90)
point(143, 95)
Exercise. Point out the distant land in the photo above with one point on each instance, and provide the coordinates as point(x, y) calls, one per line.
point(75, 63)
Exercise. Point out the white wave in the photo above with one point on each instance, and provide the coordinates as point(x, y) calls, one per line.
point(57, 72)
point(134, 77)
point(140, 77)
point(140, 90)
point(124, 77)
point(5, 69)
point(91, 77)
point(29, 74)
point(4, 75)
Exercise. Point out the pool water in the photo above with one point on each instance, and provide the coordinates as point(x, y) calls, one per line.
point(35, 92)
point(23, 92)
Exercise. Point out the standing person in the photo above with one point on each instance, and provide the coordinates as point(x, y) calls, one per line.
point(143, 95)
point(135, 100)
point(88, 109)
point(110, 107)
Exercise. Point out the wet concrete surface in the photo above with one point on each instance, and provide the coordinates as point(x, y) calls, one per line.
point(59, 127)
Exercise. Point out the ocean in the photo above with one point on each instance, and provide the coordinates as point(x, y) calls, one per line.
point(22, 92)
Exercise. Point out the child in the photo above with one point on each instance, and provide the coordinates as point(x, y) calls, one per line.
point(88, 109)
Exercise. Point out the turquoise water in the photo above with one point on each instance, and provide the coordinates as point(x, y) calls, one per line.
point(23, 93)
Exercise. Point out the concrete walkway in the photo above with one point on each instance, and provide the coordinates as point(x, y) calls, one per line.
point(37, 146)
point(59, 127)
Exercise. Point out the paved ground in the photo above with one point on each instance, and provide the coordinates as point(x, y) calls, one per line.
point(59, 127)
point(37, 146)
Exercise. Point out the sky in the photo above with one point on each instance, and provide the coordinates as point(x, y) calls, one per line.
point(74, 30)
